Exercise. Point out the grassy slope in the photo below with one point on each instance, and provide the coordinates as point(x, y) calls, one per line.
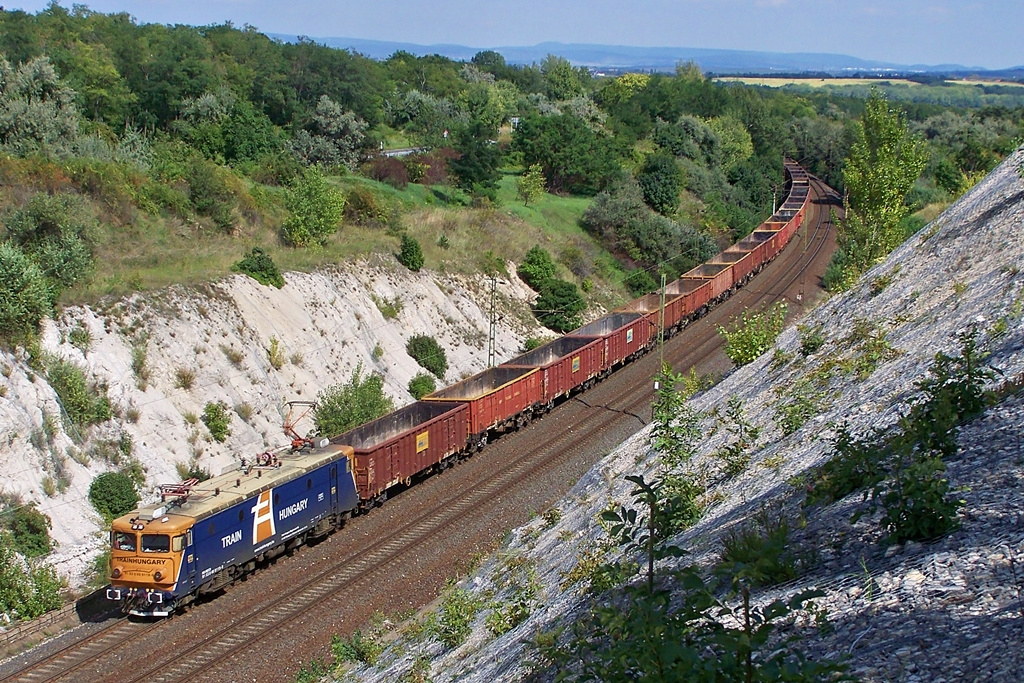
point(146, 252)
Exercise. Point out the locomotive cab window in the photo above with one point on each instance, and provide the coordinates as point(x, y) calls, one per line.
point(156, 543)
point(177, 544)
point(123, 541)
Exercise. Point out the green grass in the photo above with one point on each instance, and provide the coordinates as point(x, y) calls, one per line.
point(554, 214)
point(155, 251)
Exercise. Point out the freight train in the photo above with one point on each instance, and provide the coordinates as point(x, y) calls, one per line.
point(204, 535)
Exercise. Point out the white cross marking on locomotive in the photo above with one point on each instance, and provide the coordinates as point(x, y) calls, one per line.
point(263, 519)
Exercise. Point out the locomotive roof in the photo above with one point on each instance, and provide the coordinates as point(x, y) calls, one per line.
point(232, 487)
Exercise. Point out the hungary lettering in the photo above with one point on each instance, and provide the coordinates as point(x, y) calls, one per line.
point(292, 509)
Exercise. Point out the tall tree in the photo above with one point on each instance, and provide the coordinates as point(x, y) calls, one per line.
point(562, 80)
point(883, 165)
point(478, 160)
point(574, 158)
point(661, 181)
point(37, 111)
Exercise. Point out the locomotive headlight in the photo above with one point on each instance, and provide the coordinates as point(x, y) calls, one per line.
point(116, 573)
point(157, 575)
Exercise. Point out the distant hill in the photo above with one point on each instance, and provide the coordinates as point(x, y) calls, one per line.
point(623, 57)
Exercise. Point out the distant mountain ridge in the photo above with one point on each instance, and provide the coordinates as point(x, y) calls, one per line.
point(624, 57)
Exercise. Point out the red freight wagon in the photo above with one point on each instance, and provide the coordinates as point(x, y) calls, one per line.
point(565, 364)
point(495, 397)
point(624, 335)
point(741, 260)
point(650, 306)
point(774, 243)
point(792, 218)
point(718, 275)
point(696, 296)
point(391, 449)
point(756, 243)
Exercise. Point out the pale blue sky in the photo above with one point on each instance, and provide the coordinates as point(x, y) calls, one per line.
point(985, 33)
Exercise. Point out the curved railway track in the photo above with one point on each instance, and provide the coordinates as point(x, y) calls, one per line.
point(223, 646)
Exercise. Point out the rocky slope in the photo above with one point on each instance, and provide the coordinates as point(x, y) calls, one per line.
point(321, 326)
point(949, 610)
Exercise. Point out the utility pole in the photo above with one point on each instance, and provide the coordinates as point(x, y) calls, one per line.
point(661, 326)
point(494, 321)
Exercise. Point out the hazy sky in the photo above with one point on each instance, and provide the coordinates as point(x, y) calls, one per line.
point(985, 33)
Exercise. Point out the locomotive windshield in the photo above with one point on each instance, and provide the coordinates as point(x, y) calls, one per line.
point(123, 541)
point(156, 543)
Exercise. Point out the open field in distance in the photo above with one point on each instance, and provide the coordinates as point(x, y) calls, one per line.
point(814, 82)
point(820, 82)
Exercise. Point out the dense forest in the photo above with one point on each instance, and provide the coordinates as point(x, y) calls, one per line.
point(114, 132)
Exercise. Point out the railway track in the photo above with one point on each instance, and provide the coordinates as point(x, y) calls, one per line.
point(600, 418)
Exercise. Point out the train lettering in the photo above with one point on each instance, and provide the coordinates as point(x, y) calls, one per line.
point(206, 573)
point(287, 512)
point(139, 560)
point(263, 518)
point(230, 539)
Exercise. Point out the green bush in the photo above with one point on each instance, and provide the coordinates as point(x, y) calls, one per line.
point(410, 255)
point(316, 210)
point(217, 419)
point(753, 333)
point(759, 551)
point(357, 648)
point(811, 339)
point(83, 403)
point(421, 385)
point(365, 207)
point(342, 407)
point(259, 266)
point(191, 470)
point(113, 494)
point(560, 305)
point(25, 296)
point(661, 180)
point(856, 463)
point(30, 530)
point(676, 429)
point(536, 268)
point(531, 343)
point(26, 589)
point(452, 623)
point(210, 192)
point(425, 350)
point(640, 282)
point(916, 501)
point(57, 233)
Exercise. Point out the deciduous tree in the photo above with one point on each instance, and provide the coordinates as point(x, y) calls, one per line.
point(344, 406)
point(37, 110)
point(531, 184)
point(883, 165)
point(316, 209)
